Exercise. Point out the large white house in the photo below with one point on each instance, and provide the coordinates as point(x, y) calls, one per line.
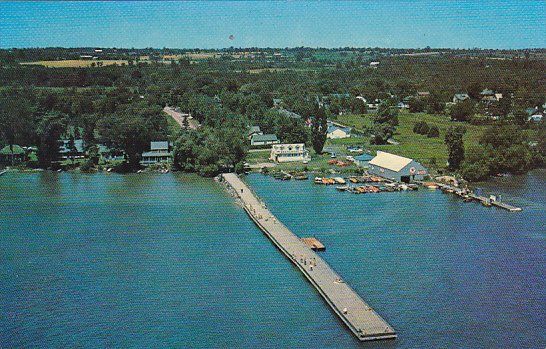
point(336, 132)
point(289, 152)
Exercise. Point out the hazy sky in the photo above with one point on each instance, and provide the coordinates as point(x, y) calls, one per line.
point(381, 23)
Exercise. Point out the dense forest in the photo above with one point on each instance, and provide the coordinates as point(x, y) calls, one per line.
point(226, 91)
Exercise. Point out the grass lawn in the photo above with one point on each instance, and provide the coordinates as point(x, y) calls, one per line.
point(317, 163)
point(412, 145)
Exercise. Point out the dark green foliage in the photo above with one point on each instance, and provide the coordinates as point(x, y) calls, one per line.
point(132, 129)
point(474, 90)
point(433, 132)
point(502, 149)
point(387, 113)
point(417, 105)
point(455, 146)
point(17, 118)
point(320, 128)
point(520, 116)
point(382, 134)
point(49, 130)
point(421, 127)
point(211, 151)
point(462, 111)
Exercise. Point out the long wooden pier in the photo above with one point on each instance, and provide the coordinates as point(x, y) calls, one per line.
point(359, 317)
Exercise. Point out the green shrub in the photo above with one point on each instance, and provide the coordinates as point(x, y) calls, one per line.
point(433, 132)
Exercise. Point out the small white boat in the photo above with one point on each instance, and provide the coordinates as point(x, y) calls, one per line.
point(339, 180)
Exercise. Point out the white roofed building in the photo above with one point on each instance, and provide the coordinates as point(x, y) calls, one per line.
point(396, 168)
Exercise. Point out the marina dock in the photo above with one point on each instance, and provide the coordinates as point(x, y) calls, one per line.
point(314, 244)
point(486, 201)
point(355, 313)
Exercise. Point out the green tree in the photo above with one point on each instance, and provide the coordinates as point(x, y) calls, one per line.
point(387, 113)
point(416, 105)
point(462, 111)
point(433, 132)
point(520, 116)
point(132, 129)
point(320, 128)
point(455, 146)
point(50, 128)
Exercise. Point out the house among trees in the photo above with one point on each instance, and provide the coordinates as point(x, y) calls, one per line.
point(460, 97)
point(261, 139)
point(108, 154)
point(536, 117)
point(12, 154)
point(277, 102)
point(488, 95)
point(289, 114)
point(160, 151)
point(72, 149)
point(254, 130)
point(336, 132)
point(289, 153)
point(403, 105)
point(423, 94)
point(396, 168)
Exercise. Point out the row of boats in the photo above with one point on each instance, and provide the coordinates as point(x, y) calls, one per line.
point(329, 181)
point(352, 179)
point(380, 184)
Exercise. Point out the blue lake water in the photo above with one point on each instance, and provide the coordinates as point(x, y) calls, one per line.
point(171, 261)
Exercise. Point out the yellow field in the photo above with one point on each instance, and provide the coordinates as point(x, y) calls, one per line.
point(75, 63)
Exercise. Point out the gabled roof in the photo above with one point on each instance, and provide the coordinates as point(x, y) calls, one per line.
point(254, 129)
point(289, 113)
point(487, 92)
point(461, 96)
point(159, 145)
point(334, 128)
point(390, 161)
point(265, 138)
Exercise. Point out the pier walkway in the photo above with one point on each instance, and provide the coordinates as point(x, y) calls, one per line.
point(359, 317)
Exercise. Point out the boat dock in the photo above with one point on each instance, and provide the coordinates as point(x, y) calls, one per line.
point(356, 314)
point(486, 201)
point(314, 244)
point(2, 172)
